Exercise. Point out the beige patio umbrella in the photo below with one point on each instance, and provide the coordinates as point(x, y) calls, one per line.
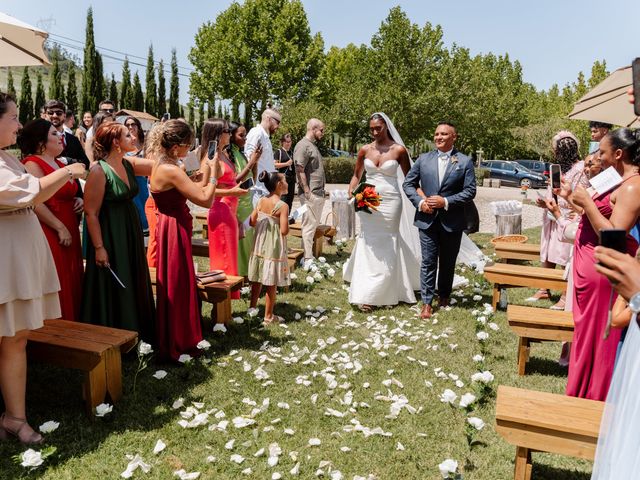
point(608, 102)
point(20, 43)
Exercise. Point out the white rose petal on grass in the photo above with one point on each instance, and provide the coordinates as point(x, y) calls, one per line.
point(447, 467)
point(448, 396)
point(160, 374)
point(235, 458)
point(179, 403)
point(276, 476)
point(103, 409)
point(310, 280)
point(477, 298)
point(482, 377)
point(494, 327)
point(160, 446)
point(135, 463)
point(182, 474)
point(185, 358)
point(220, 327)
point(247, 471)
point(399, 447)
point(476, 423)
point(48, 427)
point(345, 449)
point(241, 422)
point(335, 475)
point(252, 312)
point(295, 470)
point(229, 445)
point(203, 345)
point(31, 459)
point(144, 348)
point(315, 442)
point(289, 431)
point(482, 336)
point(467, 399)
point(283, 405)
point(238, 321)
point(478, 358)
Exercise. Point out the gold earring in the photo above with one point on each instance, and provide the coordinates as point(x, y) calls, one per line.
point(119, 149)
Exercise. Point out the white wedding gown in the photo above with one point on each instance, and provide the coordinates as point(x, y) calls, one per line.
point(383, 269)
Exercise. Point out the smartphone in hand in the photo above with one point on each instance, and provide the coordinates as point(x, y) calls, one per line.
point(213, 147)
point(247, 184)
point(615, 238)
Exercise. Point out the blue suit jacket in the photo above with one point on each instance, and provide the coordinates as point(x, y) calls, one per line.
point(458, 187)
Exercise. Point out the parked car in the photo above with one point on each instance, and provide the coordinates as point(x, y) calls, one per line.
point(512, 173)
point(537, 166)
point(338, 153)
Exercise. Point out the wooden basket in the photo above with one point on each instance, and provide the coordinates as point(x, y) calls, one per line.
point(510, 239)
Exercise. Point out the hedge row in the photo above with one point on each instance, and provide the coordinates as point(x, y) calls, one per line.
point(339, 169)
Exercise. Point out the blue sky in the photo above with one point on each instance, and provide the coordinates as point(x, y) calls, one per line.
point(553, 40)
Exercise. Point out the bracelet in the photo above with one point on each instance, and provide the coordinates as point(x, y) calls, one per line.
point(69, 172)
point(213, 181)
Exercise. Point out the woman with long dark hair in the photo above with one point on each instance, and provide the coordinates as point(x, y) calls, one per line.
point(135, 128)
point(222, 222)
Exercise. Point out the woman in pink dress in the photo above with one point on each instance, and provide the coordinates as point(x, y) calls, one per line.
point(592, 357)
point(222, 221)
point(40, 144)
point(178, 323)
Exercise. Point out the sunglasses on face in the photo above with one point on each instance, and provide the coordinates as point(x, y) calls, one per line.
point(107, 110)
point(275, 120)
point(129, 125)
point(59, 113)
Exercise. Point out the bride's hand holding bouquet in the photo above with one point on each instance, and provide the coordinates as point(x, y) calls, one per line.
point(366, 198)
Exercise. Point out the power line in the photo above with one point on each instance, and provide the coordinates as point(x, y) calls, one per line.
point(109, 50)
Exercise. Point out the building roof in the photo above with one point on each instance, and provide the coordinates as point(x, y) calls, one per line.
point(138, 115)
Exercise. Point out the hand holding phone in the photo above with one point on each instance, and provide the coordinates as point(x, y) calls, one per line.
point(615, 238)
point(212, 149)
point(247, 184)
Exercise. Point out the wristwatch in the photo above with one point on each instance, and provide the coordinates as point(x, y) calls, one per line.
point(634, 303)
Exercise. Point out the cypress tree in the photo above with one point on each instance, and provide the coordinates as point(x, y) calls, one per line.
point(25, 104)
point(11, 88)
point(182, 112)
point(219, 111)
point(211, 109)
point(151, 97)
point(235, 110)
point(101, 85)
point(40, 96)
point(201, 118)
point(72, 89)
point(56, 91)
point(191, 114)
point(125, 85)
point(174, 88)
point(137, 98)
point(113, 91)
point(162, 90)
point(89, 101)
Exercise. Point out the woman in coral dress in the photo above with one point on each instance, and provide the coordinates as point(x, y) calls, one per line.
point(593, 356)
point(222, 221)
point(40, 144)
point(178, 323)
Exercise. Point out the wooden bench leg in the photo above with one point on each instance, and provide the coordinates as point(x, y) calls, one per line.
point(95, 387)
point(317, 246)
point(223, 310)
point(523, 464)
point(114, 374)
point(495, 297)
point(523, 354)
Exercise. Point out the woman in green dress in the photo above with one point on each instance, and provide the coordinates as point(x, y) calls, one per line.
point(246, 169)
point(117, 287)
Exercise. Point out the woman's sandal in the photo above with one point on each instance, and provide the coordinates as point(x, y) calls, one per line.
point(541, 294)
point(365, 308)
point(32, 439)
point(272, 319)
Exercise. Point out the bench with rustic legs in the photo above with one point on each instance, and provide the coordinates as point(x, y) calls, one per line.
point(546, 422)
point(94, 349)
point(517, 251)
point(322, 232)
point(504, 275)
point(535, 325)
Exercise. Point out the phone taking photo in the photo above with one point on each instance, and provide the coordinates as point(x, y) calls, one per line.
point(555, 176)
point(635, 71)
point(212, 149)
point(614, 238)
point(247, 184)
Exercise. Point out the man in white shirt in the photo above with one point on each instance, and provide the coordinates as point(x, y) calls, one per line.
point(260, 135)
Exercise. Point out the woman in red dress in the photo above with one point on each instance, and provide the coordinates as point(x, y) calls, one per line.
point(40, 144)
point(222, 221)
point(177, 313)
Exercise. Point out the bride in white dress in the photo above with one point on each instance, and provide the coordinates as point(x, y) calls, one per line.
point(384, 267)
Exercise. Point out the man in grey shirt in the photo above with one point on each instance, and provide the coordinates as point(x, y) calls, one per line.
point(311, 182)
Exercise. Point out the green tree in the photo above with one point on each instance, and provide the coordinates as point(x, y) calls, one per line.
point(151, 96)
point(201, 118)
point(191, 114)
point(113, 90)
point(90, 83)
point(101, 84)
point(598, 73)
point(162, 90)
point(41, 98)
point(219, 113)
point(137, 97)
point(56, 90)
point(11, 89)
point(254, 52)
point(25, 104)
point(125, 85)
point(72, 89)
point(174, 88)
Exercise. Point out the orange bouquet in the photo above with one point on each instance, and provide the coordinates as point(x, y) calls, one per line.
point(366, 198)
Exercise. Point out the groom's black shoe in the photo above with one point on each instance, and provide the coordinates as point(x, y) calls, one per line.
point(426, 312)
point(444, 302)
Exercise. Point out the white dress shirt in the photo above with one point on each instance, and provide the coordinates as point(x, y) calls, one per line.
point(259, 136)
point(443, 162)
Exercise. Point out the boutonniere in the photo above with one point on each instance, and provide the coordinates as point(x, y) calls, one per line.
point(454, 159)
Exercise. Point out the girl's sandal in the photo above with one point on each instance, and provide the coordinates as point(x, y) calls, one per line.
point(272, 319)
point(34, 438)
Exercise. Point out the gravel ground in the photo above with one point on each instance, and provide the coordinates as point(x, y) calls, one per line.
point(531, 215)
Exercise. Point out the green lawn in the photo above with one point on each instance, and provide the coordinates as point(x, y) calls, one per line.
point(324, 374)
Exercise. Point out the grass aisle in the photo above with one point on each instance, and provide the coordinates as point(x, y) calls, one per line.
point(333, 393)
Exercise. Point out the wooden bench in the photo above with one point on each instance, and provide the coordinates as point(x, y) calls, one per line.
point(546, 422)
point(203, 217)
point(504, 275)
point(517, 251)
point(538, 324)
point(322, 232)
point(94, 349)
point(218, 294)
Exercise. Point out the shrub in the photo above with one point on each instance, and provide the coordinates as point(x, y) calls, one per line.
point(339, 169)
point(481, 173)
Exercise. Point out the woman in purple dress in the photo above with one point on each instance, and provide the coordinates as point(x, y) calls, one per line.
point(592, 356)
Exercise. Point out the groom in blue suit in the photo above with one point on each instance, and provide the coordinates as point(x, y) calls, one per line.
point(439, 185)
